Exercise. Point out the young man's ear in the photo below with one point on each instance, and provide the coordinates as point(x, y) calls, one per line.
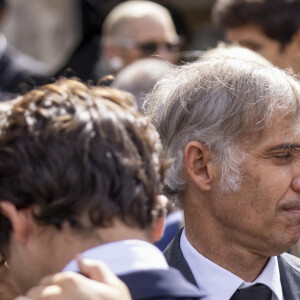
point(198, 165)
point(19, 219)
point(158, 224)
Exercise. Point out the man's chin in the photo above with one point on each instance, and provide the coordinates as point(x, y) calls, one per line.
point(283, 247)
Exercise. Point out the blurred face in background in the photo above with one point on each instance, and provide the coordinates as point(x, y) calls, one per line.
point(252, 37)
point(145, 37)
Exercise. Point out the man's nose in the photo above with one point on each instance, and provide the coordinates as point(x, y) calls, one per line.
point(296, 183)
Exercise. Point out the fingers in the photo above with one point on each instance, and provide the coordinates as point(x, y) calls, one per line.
point(45, 292)
point(61, 286)
point(73, 286)
point(100, 272)
point(95, 270)
point(67, 278)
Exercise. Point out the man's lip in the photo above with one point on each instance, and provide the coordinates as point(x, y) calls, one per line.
point(291, 206)
point(292, 209)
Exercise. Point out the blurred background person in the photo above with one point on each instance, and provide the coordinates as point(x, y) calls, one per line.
point(66, 35)
point(269, 27)
point(16, 67)
point(138, 29)
point(47, 30)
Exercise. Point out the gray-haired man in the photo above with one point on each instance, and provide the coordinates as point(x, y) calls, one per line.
point(234, 128)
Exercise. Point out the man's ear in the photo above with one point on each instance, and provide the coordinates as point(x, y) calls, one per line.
point(158, 224)
point(198, 165)
point(19, 219)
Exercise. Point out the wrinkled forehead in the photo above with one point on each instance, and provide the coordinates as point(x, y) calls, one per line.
point(285, 131)
point(147, 26)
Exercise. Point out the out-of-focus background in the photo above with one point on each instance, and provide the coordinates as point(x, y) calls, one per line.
point(53, 30)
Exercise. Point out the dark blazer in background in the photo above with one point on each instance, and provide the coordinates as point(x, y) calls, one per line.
point(289, 267)
point(17, 68)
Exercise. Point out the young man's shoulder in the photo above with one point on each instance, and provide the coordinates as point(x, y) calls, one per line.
point(165, 284)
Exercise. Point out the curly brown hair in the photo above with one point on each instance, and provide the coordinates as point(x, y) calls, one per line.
point(68, 151)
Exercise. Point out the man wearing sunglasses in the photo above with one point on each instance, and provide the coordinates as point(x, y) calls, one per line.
point(138, 29)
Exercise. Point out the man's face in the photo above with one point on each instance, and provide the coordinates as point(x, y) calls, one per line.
point(264, 215)
point(252, 37)
point(148, 37)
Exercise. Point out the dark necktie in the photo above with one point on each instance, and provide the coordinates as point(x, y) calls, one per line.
point(254, 292)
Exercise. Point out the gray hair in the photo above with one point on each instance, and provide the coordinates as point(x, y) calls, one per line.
point(235, 51)
point(220, 102)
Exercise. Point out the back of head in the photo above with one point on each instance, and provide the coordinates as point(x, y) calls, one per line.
point(80, 156)
point(220, 102)
point(278, 19)
point(140, 77)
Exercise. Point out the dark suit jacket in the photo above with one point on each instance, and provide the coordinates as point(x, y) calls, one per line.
point(160, 285)
point(17, 68)
point(174, 221)
point(289, 267)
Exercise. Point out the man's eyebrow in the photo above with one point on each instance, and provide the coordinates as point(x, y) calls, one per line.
point(285, 147)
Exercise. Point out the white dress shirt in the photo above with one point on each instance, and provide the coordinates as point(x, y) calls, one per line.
point(219, 284)
point(124, 257)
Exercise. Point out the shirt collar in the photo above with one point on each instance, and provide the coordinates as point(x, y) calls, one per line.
point(270, 276)
point(124, 257)
point(208, 274)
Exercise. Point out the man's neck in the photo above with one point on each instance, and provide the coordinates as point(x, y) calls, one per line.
point(211, 242)
point(67, 244)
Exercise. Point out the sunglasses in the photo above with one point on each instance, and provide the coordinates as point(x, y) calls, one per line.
point(150, 48)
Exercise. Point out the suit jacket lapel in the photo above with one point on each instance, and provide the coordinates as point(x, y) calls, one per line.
point(289, 267)
point(176, 260)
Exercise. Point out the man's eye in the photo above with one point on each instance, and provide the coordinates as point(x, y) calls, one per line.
point(286, 156)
